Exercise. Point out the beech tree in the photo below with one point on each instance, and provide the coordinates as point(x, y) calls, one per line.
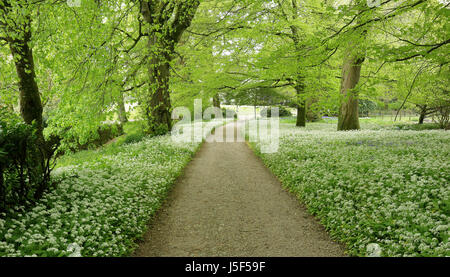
point(391, 40)
point(15, 23)
point(354, 57)
point(166, 22)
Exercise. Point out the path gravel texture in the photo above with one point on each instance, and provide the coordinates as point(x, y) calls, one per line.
point(227, 203)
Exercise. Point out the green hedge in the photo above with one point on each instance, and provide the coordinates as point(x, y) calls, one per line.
point(24, 167)
point(282, 112)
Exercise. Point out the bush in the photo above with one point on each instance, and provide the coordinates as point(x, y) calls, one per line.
point(24, 167)
point(313, 115)
point(366, 106)
point(443, 116)
point(416, 127)
point(134, 138)
point(134, 132)
point(228, 113)
point(72, 143)
point(106, 133)
point(282, 112)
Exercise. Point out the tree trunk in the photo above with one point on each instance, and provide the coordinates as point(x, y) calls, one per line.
point(351, 73)
point(121, 109)
point(158, 107)
point(301, 115)
point(349, 111)
point(254, 106)
point(216, 101)
point(423, 114)
point(30, 99)
point(2, 192)
point(301, 103)
point(166, 24)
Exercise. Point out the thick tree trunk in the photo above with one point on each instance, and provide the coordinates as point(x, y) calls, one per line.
point(301, 115)
point(351, 73)
point(30, 99)
point(166, 24)
point(158, 106)
point(349, 111)
point(121, 109)
point(17, 32)
point(423, 114)
point(301, 103)
point(2, 191)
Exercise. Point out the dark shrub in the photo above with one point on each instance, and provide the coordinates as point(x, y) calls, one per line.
point(282, 112)
point(24, 165)
point(313, 116)
point(417, 127)
point(134, 138)
point(443, 116)
point(228, 113)
point(366, 106)
point(104, 134)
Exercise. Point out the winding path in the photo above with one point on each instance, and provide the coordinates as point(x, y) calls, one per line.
point(228, 203)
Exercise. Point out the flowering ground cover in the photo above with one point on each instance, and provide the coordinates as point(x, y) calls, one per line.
point(391, 188)
point(101, 206)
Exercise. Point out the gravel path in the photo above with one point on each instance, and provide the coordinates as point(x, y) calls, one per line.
point(228, 203)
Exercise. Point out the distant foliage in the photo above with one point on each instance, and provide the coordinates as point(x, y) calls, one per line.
point(416, 127)
point(134, 138)
point(24, 173)
point(366, 106)
point(133, 133)
point(443, 117)
point(228, 113)
point(283, 112)
point(72, 142)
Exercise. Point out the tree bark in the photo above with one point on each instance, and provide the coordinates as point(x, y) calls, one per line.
point(216, 101)
point(349, 111)
point(166, 24)
point(121, 109)
point(301, 103)
point(423, 114)
point(351, 73)
point(301, 115)
point(158, 108)
point(30, 99)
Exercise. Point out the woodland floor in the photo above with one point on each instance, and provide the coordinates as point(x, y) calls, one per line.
point(227, 203)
